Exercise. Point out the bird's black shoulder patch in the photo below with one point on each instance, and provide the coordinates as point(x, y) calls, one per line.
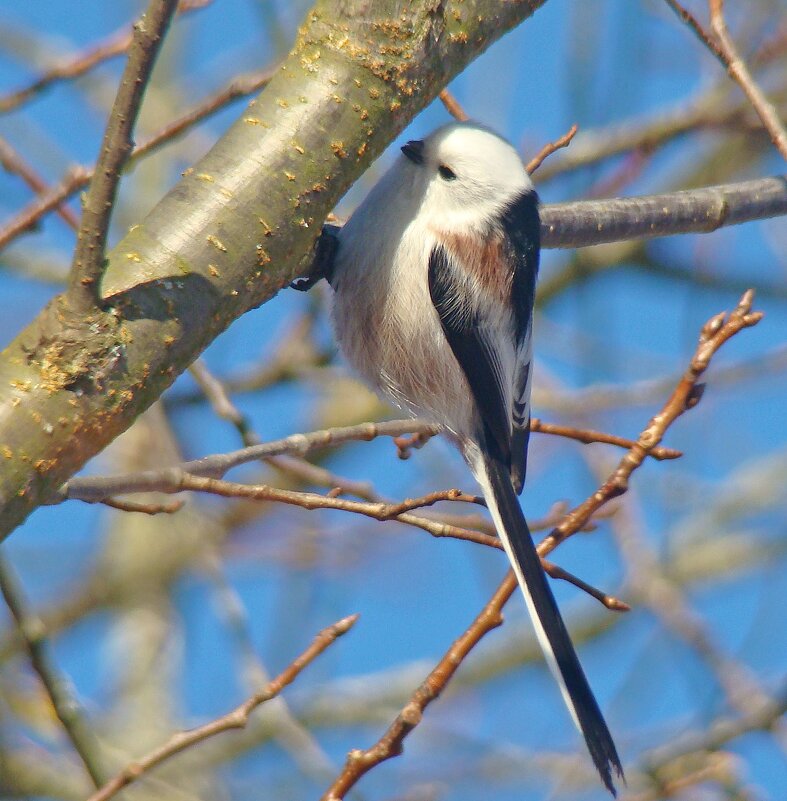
point(465, 329)
point(521, 226)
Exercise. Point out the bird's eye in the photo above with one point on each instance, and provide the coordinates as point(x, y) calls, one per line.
point(446, 173)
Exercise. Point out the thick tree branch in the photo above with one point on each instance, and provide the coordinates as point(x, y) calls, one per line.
point(88, 264)
point(581, 223)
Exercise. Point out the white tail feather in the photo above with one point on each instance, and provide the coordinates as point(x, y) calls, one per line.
point(480, 471)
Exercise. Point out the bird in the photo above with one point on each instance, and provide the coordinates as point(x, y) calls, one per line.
point(433, 280)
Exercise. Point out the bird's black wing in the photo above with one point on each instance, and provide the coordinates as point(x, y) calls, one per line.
point(472, 338)
point(521, 226)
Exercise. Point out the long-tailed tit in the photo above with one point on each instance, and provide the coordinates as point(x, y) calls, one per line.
point(434, 278)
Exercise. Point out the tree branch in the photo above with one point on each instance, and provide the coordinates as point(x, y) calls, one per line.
point(582, 223)
point(685, 396)
point(14, 163)
point(66, 706)
point(88, 263)
point(740, 73)
point(236, 719)
point(723, 48)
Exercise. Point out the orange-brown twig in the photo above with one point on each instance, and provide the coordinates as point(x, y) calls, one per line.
point(13, 162)
point(236, 719)
point(685, 396)
point(453, 106)
point(720, 43)
point(587, 436)
point(550, 148)
point(740, 73)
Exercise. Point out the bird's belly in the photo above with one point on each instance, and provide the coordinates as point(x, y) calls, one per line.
point(391, 334)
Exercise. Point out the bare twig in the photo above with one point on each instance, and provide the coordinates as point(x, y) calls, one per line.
point(702, 34)
point(79, 177)
point(47, 200)
point(88, 263)
point(391, 744)
point(587, 436)
point(13, 162)
point(610, 601)
point(723, 48)
point(97, 488)
point(453, 106)
point(740, 73)
point(405, 445)
point(220, 402)
point(66, 706)
point(714, 333)
point(550, 148)
point(80, 63)
point(236, 719)
point(685, 396)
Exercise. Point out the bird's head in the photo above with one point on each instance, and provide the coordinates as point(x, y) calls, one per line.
point(467, 174)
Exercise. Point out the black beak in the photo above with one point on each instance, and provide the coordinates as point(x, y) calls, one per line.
point(414, 150)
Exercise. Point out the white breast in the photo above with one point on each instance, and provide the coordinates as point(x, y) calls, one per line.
point(385, 322)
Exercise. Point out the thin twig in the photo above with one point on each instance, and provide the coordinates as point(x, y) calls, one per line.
point(88, 262)
point(739, 72)
point(79, 177)
point(550, 148)
point(723, 48)
point(80, 63)
point(391, 744)
point(56, 686)
point(97, 488)
point(587, 436)
point(236, 719)
point(220, 402)
point(702, 34)
point(714, 333)
point(685, 396)
point(453, 106)
point(13, 162)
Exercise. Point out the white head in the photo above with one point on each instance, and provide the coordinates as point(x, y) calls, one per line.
point(466, 172)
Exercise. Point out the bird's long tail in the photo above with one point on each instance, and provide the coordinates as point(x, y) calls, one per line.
point(553, 637)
